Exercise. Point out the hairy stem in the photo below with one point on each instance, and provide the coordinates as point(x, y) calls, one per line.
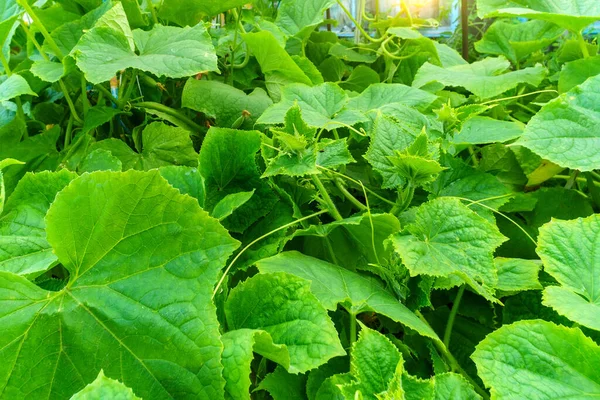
point(169, 111)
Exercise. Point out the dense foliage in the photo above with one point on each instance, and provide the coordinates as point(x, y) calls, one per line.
point(205, 200)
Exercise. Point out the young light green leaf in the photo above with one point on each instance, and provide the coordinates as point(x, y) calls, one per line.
point(516, 274)
point(228, 165)
point(448, 239)
point(282, 305)
point(483, 130)
point(518, 40)
point(239, 346)
point(141, 258)
point(485, 78)
point(116, 19)
point(230, 203)
point(282, 385)
point(564, 130)
point(451, 386)
point(105, 388)
point(163, 51)
point(334, 285)
point(224, 103)
point(572, 15)
point(322, 106)
point(539, 360)
point(14, 86)
point(568, 250)
point(52, 71)
point(23, 246)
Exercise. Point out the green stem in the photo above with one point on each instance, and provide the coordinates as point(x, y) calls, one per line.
point(107, 93)
point(454, 365)
point(578, 179)
point(583, 45)
point(338, 183)
point(593, 189)
point(357, 24)
point(266, 235)
point(36, 20)
point(405, 198)
point(572, 179)
point(153, 12)
point(69, 133)
point(453, 312)
point(84, 99)
point(352, 329)
point(65, 91)
point(237, 16)
point(34, 41)
point(169, 111)
point(130, 88)
point(330, 204)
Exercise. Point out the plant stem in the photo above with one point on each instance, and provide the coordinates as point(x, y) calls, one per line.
point(572, 179)
point(357, 24)
point(169, 111)
point(348, 195)
point(405, 198)
point(593, 189)
point(130, 88)
point(107, 93)
point(266, 235)
point(34, 41)
point(454, 365)
point(237, 16)
point(583, 45)
point(453, 312)
point(65, 91)
point(330, 204)
point(84, 99)
point(69, 133)
point(57, 52)
point(352, 328)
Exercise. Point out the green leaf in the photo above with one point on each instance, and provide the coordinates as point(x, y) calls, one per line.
point(539, 360)
point(116, 19)
point(162, 145)
point(52, 71)
point(23, 246)
point(374, 364)
point(98, 116)
point(282, 385)
point(230, 203)
point(359, 240)
point(186, 179)
point(224, 103)
point(416, 164)
point(334, 285)
point(572, 15)
point(483, 130)
point(387, 137)
point(282, 305)
point(228, 165)
point(333, 153)
point(516, 275)
point(464, 181)
point(237, 357)
point(277, 65)
point(14, 86)
point(163, 51)
point(452, 386)
point(485, 78)
point(448, 239)
point(100, 160)
point(322, 106)
point(518, 40)
point(385, 96)
point(190, 12)
point(105, 388)
point(361, 78)
point(564, 130)
point(141, 258)
point(568, 250)
point(3, 164)
point(343, 52)
point(576, 72)
point(300, 18)
point(300, 163)
point(8, 26)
